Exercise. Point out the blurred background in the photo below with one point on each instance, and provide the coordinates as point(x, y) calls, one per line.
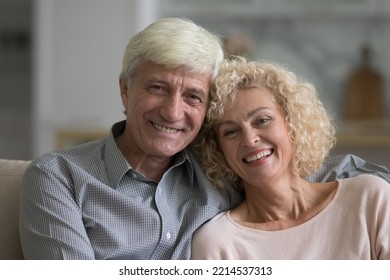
point(60, 61)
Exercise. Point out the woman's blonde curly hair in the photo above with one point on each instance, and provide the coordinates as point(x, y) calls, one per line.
point(312, 132)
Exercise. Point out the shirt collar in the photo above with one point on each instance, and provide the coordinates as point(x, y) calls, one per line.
point(115, 162)
point(186, 159)
point(117, 165)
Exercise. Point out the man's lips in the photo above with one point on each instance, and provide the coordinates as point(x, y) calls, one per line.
point(258, 156)
point(165, 128)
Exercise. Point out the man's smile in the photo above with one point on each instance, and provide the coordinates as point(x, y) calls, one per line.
point(165, 129)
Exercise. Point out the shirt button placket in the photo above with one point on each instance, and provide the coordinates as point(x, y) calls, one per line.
point(168, 222)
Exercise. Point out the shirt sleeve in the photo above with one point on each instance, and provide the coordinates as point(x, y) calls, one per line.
point(50, 224)
point(346, 166)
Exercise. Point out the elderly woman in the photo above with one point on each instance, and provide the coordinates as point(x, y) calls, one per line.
point(266, 132)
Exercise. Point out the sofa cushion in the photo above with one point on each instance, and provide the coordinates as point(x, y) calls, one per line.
point(11, 172)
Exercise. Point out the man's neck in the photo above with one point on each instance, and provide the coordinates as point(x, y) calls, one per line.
point(152, 167)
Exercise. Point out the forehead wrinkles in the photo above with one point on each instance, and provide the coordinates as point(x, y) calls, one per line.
point(179, 78)
point(261, 99)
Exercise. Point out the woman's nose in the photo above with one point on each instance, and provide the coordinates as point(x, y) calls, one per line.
point(250, 137)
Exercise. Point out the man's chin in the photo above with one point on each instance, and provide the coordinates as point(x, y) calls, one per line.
point(170, 151)
point(167, 149)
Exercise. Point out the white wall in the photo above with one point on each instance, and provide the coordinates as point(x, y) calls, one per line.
point(79, 44)
point(78, 48)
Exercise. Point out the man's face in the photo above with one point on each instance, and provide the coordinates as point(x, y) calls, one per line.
point(165, 109)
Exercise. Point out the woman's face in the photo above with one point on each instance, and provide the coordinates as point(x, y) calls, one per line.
point(253, 136)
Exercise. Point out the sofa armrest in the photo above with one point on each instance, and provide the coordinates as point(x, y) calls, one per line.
point(11, 172)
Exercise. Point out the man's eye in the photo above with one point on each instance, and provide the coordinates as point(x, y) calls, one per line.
point(157, 89)
point(193, 99)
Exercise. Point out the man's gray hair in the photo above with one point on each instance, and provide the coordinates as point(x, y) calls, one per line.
point(174, 43)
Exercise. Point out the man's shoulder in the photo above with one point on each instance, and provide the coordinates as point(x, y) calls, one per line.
point(347, 166)
point(79, 154)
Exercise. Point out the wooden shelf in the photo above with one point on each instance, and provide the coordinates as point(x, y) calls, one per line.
point(72, 137)
point(364, 133)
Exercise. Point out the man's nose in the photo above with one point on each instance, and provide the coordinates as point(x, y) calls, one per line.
point(173, 108)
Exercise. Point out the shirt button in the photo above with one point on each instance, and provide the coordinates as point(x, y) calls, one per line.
point(168, 235)
point(134, 175)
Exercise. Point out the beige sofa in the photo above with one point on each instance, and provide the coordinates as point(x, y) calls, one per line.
point(11, 172)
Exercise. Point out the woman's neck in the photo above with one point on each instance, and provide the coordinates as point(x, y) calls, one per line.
point(284, 204)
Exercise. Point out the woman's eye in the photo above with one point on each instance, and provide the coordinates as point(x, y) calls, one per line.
point(263, 120)
point(229, 132)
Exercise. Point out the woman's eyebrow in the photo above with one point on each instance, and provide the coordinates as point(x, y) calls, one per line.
point(256, 111)
point(249, 115)
point(227, 122)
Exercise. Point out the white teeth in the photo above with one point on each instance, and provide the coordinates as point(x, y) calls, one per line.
point(258, 156)
point(165, 129)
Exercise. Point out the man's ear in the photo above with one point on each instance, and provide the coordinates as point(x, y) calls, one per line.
point(123, 88)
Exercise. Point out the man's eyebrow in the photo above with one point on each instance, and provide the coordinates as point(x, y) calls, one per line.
point(155, 80)
point(197, 91)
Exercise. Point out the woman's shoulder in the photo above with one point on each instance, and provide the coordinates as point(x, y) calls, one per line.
point(216, 224)
point(210, 239)
point(217, 229)
point(363, 190)
point(366, 182)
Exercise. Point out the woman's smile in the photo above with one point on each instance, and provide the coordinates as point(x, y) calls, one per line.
point(257, 156)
